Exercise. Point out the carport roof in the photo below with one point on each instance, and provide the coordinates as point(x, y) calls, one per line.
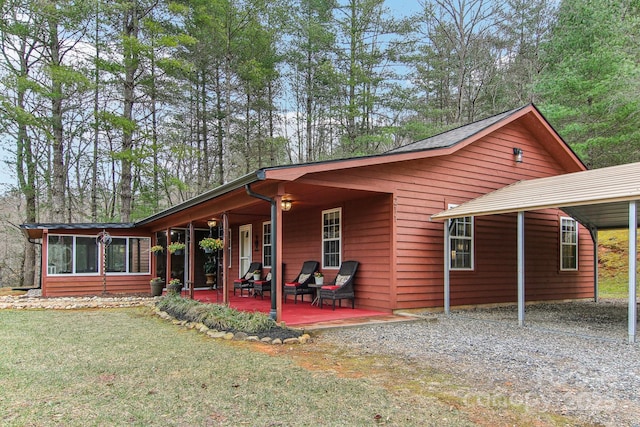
point(597, 198)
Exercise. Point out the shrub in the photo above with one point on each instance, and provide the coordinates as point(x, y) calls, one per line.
point(220, 317)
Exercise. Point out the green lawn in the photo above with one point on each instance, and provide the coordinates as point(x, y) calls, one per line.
point(128, 367)
point(116, 367)
point(613, 247)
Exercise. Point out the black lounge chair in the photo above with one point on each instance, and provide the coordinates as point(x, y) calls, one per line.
point(342, 286)
point(246, 281)
point(300, 286)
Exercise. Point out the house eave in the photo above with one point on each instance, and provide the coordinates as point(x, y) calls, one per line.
point(236, 184)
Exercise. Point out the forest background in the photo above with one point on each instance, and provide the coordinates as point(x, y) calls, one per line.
point(112, 110)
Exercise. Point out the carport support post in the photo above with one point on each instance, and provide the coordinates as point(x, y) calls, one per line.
point(633, 253)
point(520, 268)
point(447, 265)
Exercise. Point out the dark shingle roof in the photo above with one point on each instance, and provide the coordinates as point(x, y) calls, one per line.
point(454, 136)
point(77, 226)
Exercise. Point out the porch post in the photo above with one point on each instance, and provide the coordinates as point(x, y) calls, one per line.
point(191, 258)
point(633, 253)
point(596, 284)
point(225, 257)
point(275, 246)
point(167, 256)
point(520, 245)
point(447, 266)
point(276, 236)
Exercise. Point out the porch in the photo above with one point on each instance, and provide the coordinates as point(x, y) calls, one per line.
point(298, 315)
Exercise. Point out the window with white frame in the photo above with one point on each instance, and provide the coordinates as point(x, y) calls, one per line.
point(331, 238)
point(266, 244)
point(461, 242)
point(128, 255)
point(81, 255)
point(568, 244)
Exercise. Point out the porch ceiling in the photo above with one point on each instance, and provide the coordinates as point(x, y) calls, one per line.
point(243, 208)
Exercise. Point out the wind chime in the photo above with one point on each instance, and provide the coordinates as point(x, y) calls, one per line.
point(103, 240)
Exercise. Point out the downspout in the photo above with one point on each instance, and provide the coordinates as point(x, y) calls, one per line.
point(274, 263)
point(33, 242)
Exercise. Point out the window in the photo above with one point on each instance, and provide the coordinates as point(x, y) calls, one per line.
point(60, 255)
point(461, 242)
point(86, 255)
point(331, 238)
point(81, 255)
point(266, 244)
point(128, 255)
point(115, 256)
point(568, 244)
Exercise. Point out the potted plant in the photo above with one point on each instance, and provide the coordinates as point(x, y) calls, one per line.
point(209, 244)
point(257, 274)
point(176, 248)
point(156, 286)
point(210, 272)
point(318, 277)
point(175, 286)
point(156, 249)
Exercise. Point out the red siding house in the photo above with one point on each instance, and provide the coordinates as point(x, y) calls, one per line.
point(374, 209)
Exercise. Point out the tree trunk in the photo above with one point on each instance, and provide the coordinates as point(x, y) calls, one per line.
point(59, 175)
point(131, 63)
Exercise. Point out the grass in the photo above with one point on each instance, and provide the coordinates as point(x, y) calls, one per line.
point(613, 248)
point(125, 366)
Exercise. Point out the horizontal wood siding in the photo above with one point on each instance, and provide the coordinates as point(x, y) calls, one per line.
point(365, 238)
point(494, 278)
point(424, 187)
point(93, 285)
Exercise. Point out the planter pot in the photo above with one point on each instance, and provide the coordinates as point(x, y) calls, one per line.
point(176, 289)
point(208, 251)
point(256, 277)
point(156, 288)
point(178, 252)
point(211, 279)
point(319, 280)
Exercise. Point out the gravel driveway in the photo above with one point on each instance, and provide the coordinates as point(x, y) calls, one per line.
point(570, 358)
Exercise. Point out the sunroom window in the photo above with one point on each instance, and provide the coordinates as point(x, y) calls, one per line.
point(568, 244)
point(72, 254)
point(81, 255)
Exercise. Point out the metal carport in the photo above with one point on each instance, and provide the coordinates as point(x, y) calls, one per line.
point(603, 198)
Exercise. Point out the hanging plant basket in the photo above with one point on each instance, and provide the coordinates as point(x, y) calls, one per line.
point(210, 245)
point(176, 248)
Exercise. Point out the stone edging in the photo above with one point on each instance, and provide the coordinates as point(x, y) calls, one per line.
point(226, 335)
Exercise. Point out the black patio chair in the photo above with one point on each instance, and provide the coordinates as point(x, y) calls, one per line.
point(246, 281)
point(342, 286)
point(262, 286)
point(300, 285)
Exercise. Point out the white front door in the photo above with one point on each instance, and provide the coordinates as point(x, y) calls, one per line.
point(244, 248)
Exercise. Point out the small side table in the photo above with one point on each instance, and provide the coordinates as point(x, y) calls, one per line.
point(316, 299)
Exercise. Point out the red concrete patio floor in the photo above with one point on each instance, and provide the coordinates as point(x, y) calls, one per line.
point(302, 314)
